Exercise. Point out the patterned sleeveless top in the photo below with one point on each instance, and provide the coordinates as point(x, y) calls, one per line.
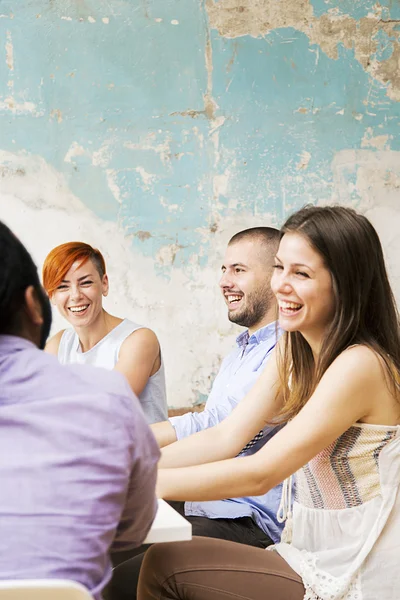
point(345, 497)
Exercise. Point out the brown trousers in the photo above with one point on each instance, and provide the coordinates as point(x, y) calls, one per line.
point(210, 569)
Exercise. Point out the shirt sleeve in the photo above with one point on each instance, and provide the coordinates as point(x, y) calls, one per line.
point(221, 401)
point(190, 423)
point(141, 503)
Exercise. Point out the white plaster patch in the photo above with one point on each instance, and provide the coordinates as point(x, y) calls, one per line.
point(220, 184)
point(66, 18)
point(304, 160)
point(9, 51)
point(380, 142)
point(74, 150)
point(149, 142)
point(377, 188)
point(166, 255)
point(19, 108)
point(199, 136)
point(91, 20)
point(174, 22)
point(102, 157)
point(105, 20)
point(147, 178)
point(158, 20)
point(170, 207)
point(113, 186)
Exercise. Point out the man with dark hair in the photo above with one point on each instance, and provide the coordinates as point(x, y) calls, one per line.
point(79, 462)
point(245, 286)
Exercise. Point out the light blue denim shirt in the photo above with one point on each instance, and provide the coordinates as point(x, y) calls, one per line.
point(237, 375)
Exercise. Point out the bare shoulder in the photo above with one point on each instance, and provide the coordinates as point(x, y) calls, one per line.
point(143, 339)
point(54, 343)
point(361, 362)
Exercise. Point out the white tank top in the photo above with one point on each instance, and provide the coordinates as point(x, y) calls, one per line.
point(106, 353)
point(344, 537)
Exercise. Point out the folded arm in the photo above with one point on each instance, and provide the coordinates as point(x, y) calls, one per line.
point(342, 398)
point(227, 439)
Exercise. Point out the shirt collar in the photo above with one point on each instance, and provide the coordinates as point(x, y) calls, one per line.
point(14, 343)
point(258, 336)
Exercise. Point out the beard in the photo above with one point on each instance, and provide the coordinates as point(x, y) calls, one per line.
point(256, 307)
point(46, 316)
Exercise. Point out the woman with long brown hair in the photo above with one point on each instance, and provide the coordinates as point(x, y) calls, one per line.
point(335, 382)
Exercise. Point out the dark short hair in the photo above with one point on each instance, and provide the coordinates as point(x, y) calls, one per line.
point(17, 272)
point(269, 236)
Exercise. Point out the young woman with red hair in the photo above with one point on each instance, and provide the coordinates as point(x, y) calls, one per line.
point(75, 278)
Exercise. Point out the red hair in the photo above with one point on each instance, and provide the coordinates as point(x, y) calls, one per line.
point(59, 261)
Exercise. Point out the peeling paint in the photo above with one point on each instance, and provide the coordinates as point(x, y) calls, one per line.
point(236, 18)
point(74, 150)
point(143, 235)
point(147, 178)
point(113, 186)
point(380, 142)
point(56, 114)
point(159, 142)
point(304, 160)
point(167, 254)
point(9, 51)
point(102, 157)
point(149, 142)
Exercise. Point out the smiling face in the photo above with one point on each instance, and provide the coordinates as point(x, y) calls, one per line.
point(245, 284)
point(303, 287)
point(79, 295)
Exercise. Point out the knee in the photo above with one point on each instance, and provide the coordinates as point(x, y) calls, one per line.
point(161, 558)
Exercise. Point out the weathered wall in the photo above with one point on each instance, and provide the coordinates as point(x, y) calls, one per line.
point(155, 129)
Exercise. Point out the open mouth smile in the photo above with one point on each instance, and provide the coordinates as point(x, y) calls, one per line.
point(77, 310)
point(289, 308)
point(233, 299)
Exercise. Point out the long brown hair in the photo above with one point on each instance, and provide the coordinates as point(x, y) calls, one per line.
point(365, 312)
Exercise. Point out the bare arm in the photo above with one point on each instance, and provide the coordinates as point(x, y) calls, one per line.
point(227, 438)
point(345, 395)
point(53, 343)
point(164, 433)
point(138, 357)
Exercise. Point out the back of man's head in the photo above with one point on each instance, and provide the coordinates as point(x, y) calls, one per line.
point(17, 272)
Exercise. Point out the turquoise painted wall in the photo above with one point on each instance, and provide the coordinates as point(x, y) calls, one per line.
point(169, 123)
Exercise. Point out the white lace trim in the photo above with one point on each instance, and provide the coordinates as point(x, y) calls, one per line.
point(320, 585)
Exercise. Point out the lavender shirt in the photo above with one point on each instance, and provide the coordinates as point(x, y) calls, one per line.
point(78, 468)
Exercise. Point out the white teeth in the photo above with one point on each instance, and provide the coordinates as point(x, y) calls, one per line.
point(289, 305)
point(77, 309)
point(234, 298)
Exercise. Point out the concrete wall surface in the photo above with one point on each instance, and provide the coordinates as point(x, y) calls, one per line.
point(155, 129)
